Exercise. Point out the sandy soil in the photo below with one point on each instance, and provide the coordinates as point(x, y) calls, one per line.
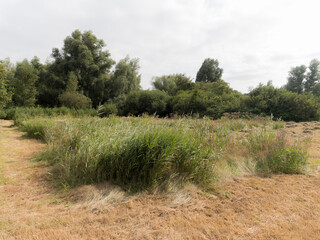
point(280, 207)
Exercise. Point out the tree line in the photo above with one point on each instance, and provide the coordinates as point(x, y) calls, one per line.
point(82, 74)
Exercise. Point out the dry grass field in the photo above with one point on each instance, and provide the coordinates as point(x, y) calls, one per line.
point(245, 207)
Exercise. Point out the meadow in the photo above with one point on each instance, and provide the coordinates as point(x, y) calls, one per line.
point(146, 153)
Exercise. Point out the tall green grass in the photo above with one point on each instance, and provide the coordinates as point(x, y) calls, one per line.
point(273, 154)
point(133, 153)
point(143, 153)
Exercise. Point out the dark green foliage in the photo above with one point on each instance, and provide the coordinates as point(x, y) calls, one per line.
point(74, 100)
point(49, 88)
point(296, 79)
point(147, 101)
point(79, 76)
point(172, 84)
point(72, 84)
point(71, 98)
point(125, 78)
point(283, 104)
point(209, 71)
point(316, 90)
point(84, 55)
point(25, 91)
point(5, 95)
point(189, 102)
point(208, 99)
point(313, 76)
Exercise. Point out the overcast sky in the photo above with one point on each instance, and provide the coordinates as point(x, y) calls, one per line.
point(254, 40)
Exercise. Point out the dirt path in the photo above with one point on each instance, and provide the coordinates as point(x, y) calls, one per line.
point(281, 207)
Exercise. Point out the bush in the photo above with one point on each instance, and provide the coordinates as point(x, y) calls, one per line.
point(283, 104)
point(147, 101)
point(3, 114)
point(74, 100)
point(208, 99)
point(107, 109)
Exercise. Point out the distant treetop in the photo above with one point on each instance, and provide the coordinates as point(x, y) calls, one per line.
point(209, 71)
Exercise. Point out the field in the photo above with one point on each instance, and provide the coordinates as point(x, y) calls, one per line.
point(150, 178)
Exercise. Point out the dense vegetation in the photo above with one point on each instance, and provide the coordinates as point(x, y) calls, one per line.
point(147, 152)
point(83, 75)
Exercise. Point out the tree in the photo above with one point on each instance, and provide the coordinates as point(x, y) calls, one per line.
point(72, 84)
point(171, 84)
point(5, 95)
point(296, 79)
point(313, 76)
point(209, 71)
point(25, 91)
point(284, 104)
point(125, 77)
point(71, 98)
point(83, 54)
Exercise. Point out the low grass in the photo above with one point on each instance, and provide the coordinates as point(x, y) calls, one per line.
point(147, 152)
point(3, 180)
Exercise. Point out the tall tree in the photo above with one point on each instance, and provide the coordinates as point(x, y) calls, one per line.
point(25, 91)
point(83, 54)
point(313, 76)
point(5, 95)
point(125, 78)
point(296, 79)
point(209, 71)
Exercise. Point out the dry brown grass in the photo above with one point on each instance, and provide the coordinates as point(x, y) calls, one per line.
point(280, 207)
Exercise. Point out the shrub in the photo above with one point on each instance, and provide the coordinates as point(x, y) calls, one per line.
point(208, 99)
point(74, 100)
point(283, 104)
point(147, 101)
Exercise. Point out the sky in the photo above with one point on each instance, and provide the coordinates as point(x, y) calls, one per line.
point(254, 40)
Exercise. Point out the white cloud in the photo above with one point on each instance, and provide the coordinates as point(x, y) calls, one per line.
point(255, 41)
